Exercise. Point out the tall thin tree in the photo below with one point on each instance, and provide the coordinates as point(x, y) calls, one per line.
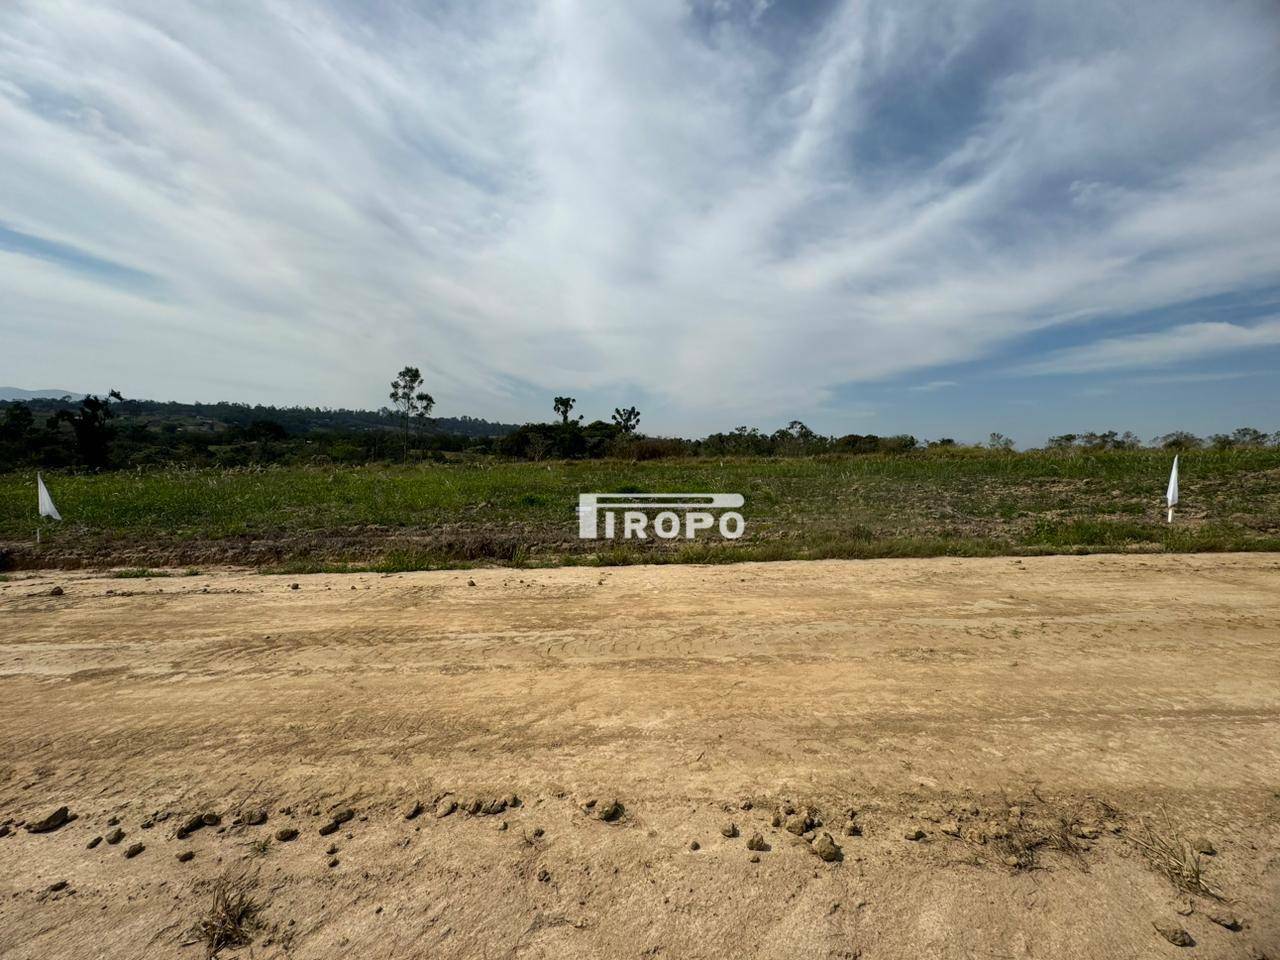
point(409, 401)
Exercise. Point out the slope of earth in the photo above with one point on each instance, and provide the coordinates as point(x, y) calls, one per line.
point(998, 750)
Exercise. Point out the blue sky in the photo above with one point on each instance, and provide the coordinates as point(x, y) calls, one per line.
point(942, 218)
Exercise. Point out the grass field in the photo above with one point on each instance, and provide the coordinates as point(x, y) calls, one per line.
point(456, 514)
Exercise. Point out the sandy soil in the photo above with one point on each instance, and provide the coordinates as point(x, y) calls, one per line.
point(1089, 693)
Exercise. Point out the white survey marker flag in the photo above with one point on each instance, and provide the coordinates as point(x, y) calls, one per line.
point(1172, 493)
point(47, 509)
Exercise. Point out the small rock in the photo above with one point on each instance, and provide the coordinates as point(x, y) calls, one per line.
point(210, 819)
point(470, 582)
point(757, 842)
point(333, 863)
point(330, 827)
point(446, 807)
point(293, 586)
point(186, 856)
point(694, 845)
point(755, 858)
point(852, 829)
point(609, 811)
point(494, 806)
point(190, 827)
point(729, 830)
point(544, 875)
point(254, 818)
point(502, 826)
point(746, 804)
point(777, 818)
point(285, 834)
point(512, 800)
point(796, 823)
point(538, 832)
point(916, 834)
point(1204, 846)
point(134, 850)
point(808, 835)
point(1174, 934)
point(1227, 920)
point(333, 848)
point(343, 816)
point(54, 821)
point(473, 806)
point(93, 843)
point(951, 828)
point(115, 836)
point(415, 808)
point(55, 887)
point(1186, 908)
point(56, 592)
point(826, 849)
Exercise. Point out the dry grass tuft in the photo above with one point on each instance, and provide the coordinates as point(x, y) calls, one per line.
point(231, 918)
point(1170, 854)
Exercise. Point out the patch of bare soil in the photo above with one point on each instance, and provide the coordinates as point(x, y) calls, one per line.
point(1049, 757)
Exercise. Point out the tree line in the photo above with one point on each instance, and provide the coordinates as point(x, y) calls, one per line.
point(102, 433)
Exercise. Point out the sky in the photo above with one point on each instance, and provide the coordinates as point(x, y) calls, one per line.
point(943, 218)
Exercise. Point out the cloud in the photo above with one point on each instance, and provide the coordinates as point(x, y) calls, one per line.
point(732, 210)
point(1161, 348)
point(933, 385)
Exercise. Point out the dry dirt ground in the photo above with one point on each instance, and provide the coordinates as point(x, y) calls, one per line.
point(1031, 719)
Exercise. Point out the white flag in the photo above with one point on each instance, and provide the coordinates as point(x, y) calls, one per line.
point(1172, 493)
point(47, 509)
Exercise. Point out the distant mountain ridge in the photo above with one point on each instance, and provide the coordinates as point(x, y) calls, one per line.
point(17, 393)
point(295, 421)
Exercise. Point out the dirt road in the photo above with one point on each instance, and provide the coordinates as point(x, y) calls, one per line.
point(1026, 717)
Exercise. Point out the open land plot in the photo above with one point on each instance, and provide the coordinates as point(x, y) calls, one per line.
point(1054, 733)
point(489, 511)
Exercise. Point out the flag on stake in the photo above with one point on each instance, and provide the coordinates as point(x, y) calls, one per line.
point(1171, 495)
point(47, 509)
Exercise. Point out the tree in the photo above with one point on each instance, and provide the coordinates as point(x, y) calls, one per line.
point(89, 424)
point(1248, 437)
point(1179, 440)
point(564, 406)
point(998, 441)
point(18, 422)
point(627, 420)
point(409, 401)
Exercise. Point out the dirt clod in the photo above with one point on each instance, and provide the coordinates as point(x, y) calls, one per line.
point(54, 821)
point(1174, 933)
point(609, 810)
point(826, 849)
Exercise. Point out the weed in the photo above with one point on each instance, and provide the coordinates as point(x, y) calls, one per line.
point(231, 918)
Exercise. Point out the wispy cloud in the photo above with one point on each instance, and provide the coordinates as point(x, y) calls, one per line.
point(933, 385)
point(1161, 348)
point(732, 209)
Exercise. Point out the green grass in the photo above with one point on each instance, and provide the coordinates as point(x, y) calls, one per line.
point(293, 519)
